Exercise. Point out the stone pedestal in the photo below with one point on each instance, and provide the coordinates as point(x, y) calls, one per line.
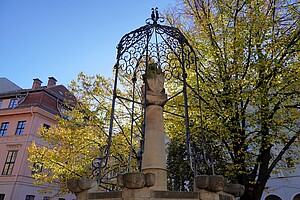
point(154, 156)
point(151, 183)
point(139, 186)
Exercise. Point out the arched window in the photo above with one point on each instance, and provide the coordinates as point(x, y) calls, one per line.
point(273, 197)
point(297, 197)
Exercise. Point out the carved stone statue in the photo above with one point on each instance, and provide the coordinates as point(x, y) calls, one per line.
point(155, 80)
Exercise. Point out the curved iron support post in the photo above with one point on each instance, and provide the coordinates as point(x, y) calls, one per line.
point(144, 97)
point(112, 112)
point(97, 165)
point(132, 121)
point(186, 113)
point(104, 158)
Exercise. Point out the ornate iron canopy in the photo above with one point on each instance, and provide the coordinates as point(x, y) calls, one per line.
point(152, 44)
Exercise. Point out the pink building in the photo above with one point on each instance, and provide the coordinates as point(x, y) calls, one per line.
point(22, 112)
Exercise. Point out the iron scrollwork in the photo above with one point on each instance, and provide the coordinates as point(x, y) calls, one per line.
point(152, 43)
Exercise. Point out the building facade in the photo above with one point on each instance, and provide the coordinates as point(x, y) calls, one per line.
point(22, 113)
point(285, 185)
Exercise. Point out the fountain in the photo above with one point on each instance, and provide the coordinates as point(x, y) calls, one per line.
point(150, 56)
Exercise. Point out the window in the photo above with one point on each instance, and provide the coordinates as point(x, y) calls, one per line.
point(46, 198)
point(61, 198)
point(37, 168)
point(29, 197)
point(20, 128)
point(13, 103)
point(0, 107)
point(2, 196)
point(272, 197)
point(9, 162)
point(46, 126)
point(297, 197)
point(3, 129)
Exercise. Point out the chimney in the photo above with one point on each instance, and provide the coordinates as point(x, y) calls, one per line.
point(36, 83)
point(51, 81)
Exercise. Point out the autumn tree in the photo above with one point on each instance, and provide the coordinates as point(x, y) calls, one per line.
point(67, 150)
point(249, 85)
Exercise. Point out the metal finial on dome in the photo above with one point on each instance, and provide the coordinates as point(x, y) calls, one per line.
point(154, 17)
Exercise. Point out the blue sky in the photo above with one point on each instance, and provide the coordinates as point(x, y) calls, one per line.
point(60, 38)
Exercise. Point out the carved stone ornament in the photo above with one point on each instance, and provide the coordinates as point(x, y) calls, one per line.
point(136, 180)
point(156, 83)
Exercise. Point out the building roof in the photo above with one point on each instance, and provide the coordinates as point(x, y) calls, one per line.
point(7, 86)
point(47, 98)
point(50, 98)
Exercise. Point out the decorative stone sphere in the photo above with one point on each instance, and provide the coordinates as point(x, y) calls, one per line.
point(235, 189)
point(216, 183)
point(85, 183)
point(201, 181)
point(120, 180)
point(77, 185)
point(73, 186)
point(150, 179)
point(134, 180)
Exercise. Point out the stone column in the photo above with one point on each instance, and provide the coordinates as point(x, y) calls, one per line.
point(154, 156)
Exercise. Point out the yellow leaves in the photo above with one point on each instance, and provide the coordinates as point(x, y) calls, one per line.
point(68, 148)
point(252, 182)
point(249, 84)
point(234, 167)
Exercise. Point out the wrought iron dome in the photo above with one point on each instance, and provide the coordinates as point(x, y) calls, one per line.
point(152, 44)
point(160, 43)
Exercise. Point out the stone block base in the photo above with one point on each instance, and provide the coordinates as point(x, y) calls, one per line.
point(207, 195)
point(140, 186)
point(148, 194)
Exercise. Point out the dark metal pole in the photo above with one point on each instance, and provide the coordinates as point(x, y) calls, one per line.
point(112, 112)
point(145, 94)
point(186, 112)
